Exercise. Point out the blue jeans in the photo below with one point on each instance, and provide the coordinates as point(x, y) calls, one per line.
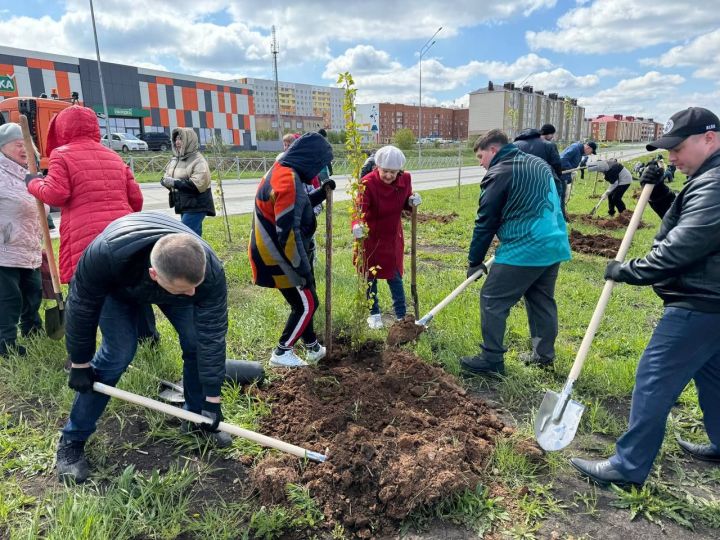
point(685, 345)
point(118, 324)
point(193, 220)
point(396, 291)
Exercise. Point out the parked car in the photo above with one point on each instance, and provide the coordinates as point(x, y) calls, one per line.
point(156, 140)
point(124, 142)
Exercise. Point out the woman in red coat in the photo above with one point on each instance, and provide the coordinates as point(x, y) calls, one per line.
point(89, 182)
point(388, 191)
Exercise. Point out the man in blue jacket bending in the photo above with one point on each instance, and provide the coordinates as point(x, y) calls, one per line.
point(570, 158)
point(520, 203)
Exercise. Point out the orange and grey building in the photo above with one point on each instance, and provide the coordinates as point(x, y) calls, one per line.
point(139, 100)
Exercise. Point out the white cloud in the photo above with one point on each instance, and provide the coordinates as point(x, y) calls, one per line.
point(646, 95)
point(702, 52)
point(611, 26)
point(379, 77)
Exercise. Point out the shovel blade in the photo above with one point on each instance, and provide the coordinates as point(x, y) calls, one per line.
point(55, 323)
point(556, 433)
point(171, 396)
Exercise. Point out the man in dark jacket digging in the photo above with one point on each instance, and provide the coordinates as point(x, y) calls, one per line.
point(142, 259)
point(684, 269)
point(520, 203)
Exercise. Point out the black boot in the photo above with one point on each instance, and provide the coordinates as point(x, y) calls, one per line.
point(703, 452)
point(72, 465)
point(479, 365)
point(601, 472)
point(8, 348)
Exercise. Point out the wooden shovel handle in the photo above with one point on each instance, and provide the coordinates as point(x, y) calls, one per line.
point(328, 269)
point(413, 261)
point(47, 242)
point(607, 289)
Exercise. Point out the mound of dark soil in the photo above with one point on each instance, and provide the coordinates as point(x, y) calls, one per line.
point(427, 217)
point(621, 221)
point(594, 244)
point(398, 433)
point(404, 331)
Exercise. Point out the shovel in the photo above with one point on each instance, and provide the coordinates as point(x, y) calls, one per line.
point(263, 440)
point(54, 316)
point(328, 270)
point(559, 416)
point(413, 260)
point(604, 196)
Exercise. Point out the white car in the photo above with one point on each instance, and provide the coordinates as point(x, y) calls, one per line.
point(125, 142)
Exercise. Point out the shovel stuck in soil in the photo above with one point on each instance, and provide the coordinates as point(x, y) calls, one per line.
point(54, 316)
point(408, 330)
point(263, 440)
point(595, 209)
point(559, 416)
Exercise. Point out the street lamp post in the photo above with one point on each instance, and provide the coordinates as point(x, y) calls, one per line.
point(102, 86)
point(424, 49)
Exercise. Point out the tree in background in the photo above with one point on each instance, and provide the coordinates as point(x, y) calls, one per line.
point(404, 139)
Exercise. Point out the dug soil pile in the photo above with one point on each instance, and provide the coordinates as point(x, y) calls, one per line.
point(399, 434)
point(427, 217)
point(594, 244)
point(404, 331)
point(621, 221)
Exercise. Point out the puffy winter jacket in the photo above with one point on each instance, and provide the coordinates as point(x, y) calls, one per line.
point(116, 264)
point(189, 168)
point(684, 264)
point(89, 182)
point(519, 203)
point(283, 220)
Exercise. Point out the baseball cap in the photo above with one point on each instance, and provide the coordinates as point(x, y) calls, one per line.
point(682, 124)
point(593, 145)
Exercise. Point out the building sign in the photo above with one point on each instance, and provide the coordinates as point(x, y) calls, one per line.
point(127, 112)
point(7, 84)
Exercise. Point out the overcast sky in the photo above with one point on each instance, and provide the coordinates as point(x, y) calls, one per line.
point(617, 56)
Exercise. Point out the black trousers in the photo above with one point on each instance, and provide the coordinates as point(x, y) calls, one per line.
point(504, 287)
point(615, 199)
point(20, 298)
point(303, 304)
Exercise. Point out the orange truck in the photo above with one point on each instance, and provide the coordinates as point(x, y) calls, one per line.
point(39, 112)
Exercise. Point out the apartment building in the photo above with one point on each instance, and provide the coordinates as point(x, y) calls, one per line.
point(378, 122)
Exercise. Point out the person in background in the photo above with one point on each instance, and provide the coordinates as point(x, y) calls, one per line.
point(619, 178)
point(283, 224)
point(187, 176)
point(369, 165)
point(520, 204)
point(570, 158)
point(683, 268)
point(20, 251)
point(388, 191)
point(532, 141)
point(547, 132)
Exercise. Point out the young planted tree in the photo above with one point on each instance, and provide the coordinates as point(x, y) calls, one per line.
point(218, 147)
point(404, 139)
point(355, 188)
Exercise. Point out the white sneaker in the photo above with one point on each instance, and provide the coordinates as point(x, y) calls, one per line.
point(287, 359)
point(314, 355)
point(375, 321)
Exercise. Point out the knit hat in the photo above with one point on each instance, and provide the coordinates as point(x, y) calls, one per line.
point(10, 132)
point(547, 129)
point(390, 157)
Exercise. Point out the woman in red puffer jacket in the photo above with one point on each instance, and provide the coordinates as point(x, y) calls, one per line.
point(89, 182)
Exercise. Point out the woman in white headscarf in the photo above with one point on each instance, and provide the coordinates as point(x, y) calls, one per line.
point(388, 191)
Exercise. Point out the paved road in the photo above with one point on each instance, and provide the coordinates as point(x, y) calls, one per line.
point(240, 194)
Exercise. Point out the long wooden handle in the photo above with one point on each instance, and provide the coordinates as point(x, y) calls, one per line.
point(263, 440)
point(413, 261)
point(328, 270)
point(47, 241)
point(609, 284)
point(460, 288)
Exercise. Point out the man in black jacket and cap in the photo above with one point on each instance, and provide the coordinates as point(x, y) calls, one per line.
point(138, 260)
point(535, 142)
point(683, 267)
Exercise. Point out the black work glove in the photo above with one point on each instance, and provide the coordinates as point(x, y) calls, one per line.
point(652, 174)
point(472, 269)
point(32, 176)
point(330, 183)
point(612, 271)
point(213, 412)
point(81, 379)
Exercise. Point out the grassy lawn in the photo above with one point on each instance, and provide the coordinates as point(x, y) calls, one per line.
point(152, 482)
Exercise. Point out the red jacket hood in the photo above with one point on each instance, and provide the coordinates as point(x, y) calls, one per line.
point(72, 124)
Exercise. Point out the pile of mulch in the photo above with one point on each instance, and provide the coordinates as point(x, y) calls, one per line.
point(594, 244)
point(399, 434)
point(621, 221)
point(427, 217)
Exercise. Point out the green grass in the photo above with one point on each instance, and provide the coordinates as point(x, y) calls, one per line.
point(126, 503)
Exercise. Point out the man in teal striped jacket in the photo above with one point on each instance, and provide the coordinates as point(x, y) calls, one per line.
point(520, 204)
